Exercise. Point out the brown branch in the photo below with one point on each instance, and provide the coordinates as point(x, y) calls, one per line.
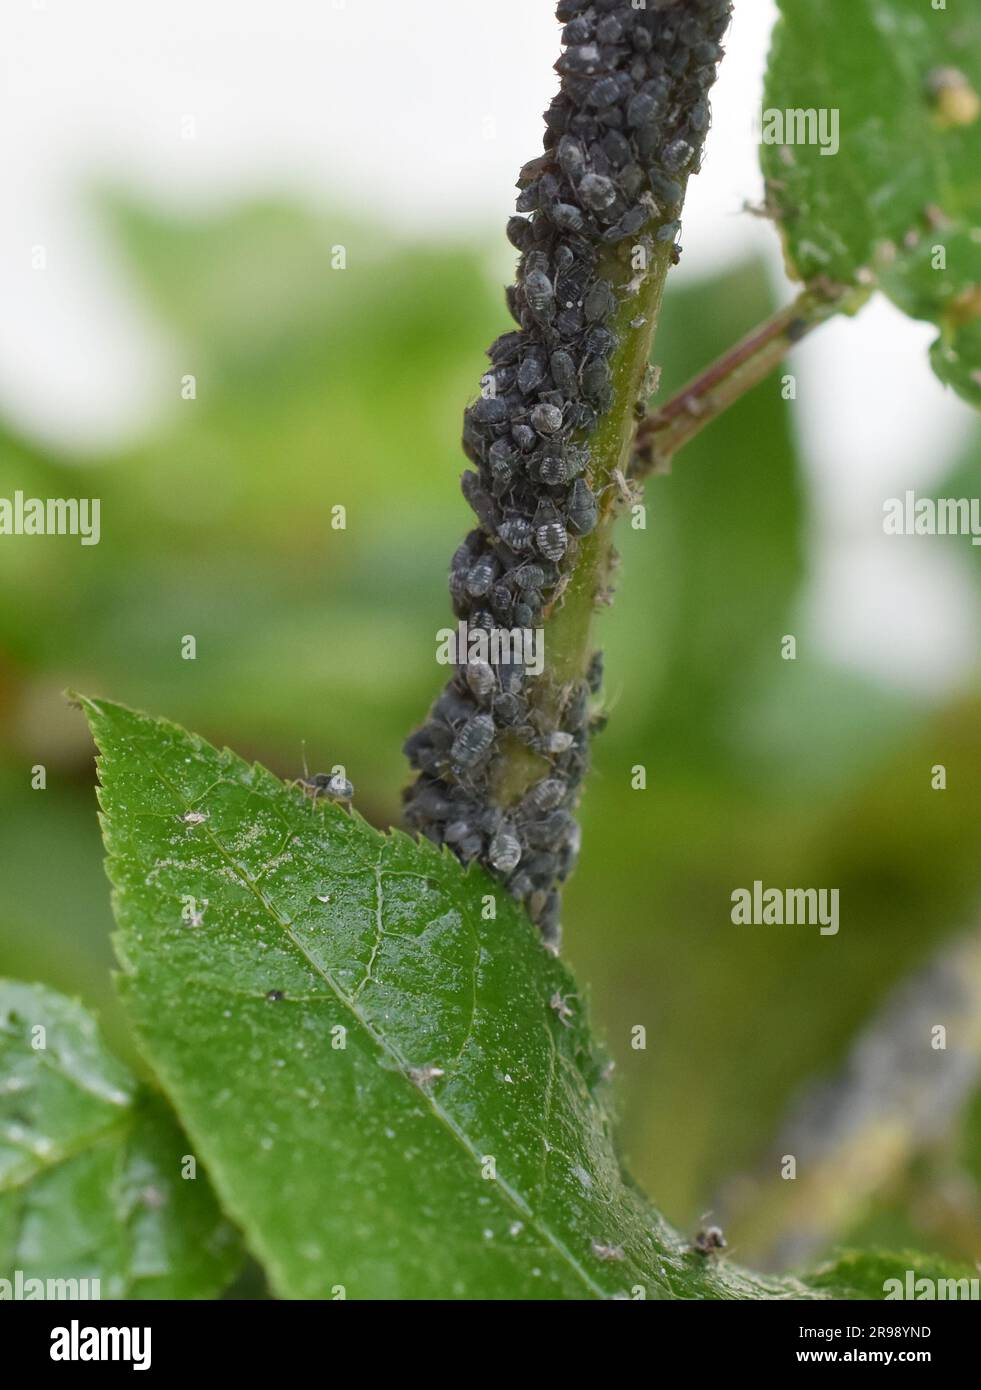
point(713, 390)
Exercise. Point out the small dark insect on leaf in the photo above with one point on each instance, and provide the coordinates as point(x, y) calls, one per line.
point(561, 1006)
point(330, 785)
point(423, 1076)
point(710, 1240)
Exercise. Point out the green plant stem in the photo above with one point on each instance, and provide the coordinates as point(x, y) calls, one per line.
point(618, 448)
point(737, 371)
point(569, 617)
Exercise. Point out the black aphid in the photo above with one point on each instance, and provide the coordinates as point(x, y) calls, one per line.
point(597, 192)
point(481, 576)
point(552, 540)
point(599, 301)
point(581, 511)
point(563, 370)
point(504, 851)
point(481, 679)
point(546, 795)
point(529, 577)
point(516, 532)
point(473, 741)
point(709, 1240)
point(538, 294)
point(553, 469)
point(546, 419)
point(594, 674)
point(330, 785)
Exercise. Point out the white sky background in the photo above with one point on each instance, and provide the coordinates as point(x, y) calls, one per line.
point(422, 113)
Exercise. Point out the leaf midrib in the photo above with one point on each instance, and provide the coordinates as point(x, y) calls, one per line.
point(118, 1130)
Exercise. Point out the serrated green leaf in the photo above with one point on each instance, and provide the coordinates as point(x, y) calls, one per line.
point(396, 1095)
point(457, 1144)
point(90, 1165)
point(899, 204)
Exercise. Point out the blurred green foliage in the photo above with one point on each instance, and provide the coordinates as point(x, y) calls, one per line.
point(91, 1182)
point(318, 387)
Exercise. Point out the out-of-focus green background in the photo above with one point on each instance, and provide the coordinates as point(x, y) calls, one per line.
point(318, 387)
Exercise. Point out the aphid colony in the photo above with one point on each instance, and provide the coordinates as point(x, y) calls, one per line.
point(622, 135)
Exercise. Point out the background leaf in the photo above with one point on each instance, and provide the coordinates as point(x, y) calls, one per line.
point(905, 78)
point(687, 661)
point(863, 1274)
point(90, 1166)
